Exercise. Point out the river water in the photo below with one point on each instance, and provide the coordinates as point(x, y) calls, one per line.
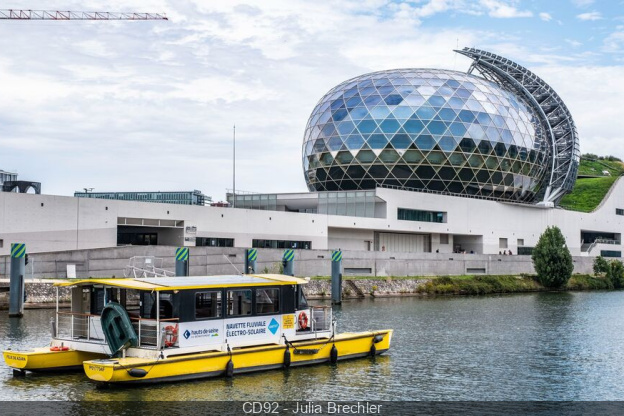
point(540, 346)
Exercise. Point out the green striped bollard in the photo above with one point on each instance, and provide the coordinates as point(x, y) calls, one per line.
point(251, 255)
point(336, 277)
point(182, 261)
point(18, 269)
point(288, 261)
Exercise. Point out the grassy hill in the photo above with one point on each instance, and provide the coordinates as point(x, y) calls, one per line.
point(591, 185)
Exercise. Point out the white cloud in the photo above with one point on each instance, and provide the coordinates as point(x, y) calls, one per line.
point(545, 16)
point(589, 16)
point(582, 3)
point(573, 43)
point(501, 9)
point(614, 42)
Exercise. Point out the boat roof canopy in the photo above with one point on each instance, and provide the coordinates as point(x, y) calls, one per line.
point(189, 282)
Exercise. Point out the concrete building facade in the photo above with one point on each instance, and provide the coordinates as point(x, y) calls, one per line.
point(431, 223)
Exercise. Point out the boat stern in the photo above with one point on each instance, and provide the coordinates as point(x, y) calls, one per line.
point(46, 359)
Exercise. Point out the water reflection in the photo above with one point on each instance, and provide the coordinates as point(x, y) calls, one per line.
point(542, 346)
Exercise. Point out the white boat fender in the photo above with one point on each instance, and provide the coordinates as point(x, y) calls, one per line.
point(229, 367)
point(287, 357)
point(333, 354)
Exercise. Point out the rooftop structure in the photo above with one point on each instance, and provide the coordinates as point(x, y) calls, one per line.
point(174, 197)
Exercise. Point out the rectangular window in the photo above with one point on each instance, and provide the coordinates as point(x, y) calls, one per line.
point(502, 243)
point(417, 215)
point(208, 304)
point(214, 242)
point(1, 243)
point(444, 239)
point(267, 301)
point(239, 302)
point(525, 251)
point(619, 211)
point(520, 242)
point(305, 245)
point(610, 253)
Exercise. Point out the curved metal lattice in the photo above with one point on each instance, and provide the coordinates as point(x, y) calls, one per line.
point(556, 120)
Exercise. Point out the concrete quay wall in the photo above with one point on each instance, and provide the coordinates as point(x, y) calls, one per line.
point(108, 262)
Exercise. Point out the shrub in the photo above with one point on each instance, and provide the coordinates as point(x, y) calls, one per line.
point(588, 282)
point(601, 266)
point(551, 259)
point(615, 274)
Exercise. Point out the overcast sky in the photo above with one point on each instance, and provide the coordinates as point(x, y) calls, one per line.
point(142, 106)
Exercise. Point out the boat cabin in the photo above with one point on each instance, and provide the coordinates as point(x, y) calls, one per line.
point(179, 315)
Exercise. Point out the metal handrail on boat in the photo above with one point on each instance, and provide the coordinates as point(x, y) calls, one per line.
point(147, 330)
point(321, 318)
point(72, 326)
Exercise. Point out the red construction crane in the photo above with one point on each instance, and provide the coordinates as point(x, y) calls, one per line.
point(12, 14)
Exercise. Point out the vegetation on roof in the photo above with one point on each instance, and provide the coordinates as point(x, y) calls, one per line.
point(593, 182)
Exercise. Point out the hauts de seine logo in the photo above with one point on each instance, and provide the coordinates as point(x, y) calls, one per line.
point(273, 326)
point(201, 333)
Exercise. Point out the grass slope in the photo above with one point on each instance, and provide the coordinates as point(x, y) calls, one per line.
point(589, 192)
point(595, 167)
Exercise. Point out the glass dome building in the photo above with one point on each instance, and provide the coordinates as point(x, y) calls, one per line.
point(438, 130)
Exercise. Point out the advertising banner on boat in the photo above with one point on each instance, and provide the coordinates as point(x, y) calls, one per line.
point(192, 334)
point(234, 331)
point(242, 330)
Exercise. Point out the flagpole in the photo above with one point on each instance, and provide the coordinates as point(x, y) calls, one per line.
point(234, 167)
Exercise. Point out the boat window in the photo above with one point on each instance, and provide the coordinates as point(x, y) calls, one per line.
point(267, 301)
point(302, 302)
point(166, 306)
point(208, 304)
point(239, 302)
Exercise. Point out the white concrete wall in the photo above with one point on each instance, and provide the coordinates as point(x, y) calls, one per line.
point(211, 261)
point(354, 240)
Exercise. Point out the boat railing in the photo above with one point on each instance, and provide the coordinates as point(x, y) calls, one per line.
point(321, 318)
point(73, 326)
point(148, 332)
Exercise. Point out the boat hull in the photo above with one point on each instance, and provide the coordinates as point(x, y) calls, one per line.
point(43, 359)
point(131, 370)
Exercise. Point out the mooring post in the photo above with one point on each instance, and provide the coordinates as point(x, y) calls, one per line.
point(288, 261)
point(336, 277)
point(182, 261)
point(251, 255)
point(16, 287)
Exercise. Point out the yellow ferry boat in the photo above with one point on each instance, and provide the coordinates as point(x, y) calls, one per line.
point(145, 330)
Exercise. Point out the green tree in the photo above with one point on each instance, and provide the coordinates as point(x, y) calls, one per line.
point(601, 266)
point(551, 259)
point(615, 274)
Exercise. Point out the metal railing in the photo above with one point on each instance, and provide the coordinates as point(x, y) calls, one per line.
point(606, 241)
point(146, 266)
point(600, 241)
point(148, 332)
point(74, 326)
point(321, 318)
